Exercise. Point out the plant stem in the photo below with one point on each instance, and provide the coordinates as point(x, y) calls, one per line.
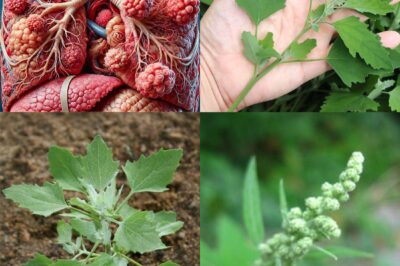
point(91, 251)
point(251, 84)
point(266, 70)
point(134, 262)
point(305, 60)
point(125, 201)
point(256, 77)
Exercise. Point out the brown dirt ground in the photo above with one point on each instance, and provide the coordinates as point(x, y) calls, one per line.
point(25, 140)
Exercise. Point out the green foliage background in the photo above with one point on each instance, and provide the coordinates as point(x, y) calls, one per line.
point(327, 93)
point(306, 150)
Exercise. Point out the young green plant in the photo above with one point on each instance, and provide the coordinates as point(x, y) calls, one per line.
point(98, 226)
point(357, 54)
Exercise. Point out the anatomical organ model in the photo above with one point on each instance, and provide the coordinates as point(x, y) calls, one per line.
point(81, 55)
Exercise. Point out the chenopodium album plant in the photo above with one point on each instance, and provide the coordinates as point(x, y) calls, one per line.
point(357, 54)
point(302, 229)
point(99, 227)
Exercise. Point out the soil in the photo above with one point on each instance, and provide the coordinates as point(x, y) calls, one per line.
point(24, 143)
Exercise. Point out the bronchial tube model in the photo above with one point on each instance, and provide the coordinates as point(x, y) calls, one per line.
point(150, 46)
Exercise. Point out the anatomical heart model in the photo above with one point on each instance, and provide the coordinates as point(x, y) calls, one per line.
point(99, 55)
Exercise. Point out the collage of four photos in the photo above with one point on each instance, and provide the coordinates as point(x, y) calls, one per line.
point(304, 172)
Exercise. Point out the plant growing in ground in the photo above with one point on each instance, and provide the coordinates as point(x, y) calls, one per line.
point(301, 229)
point(98, 226)
point(366, 69)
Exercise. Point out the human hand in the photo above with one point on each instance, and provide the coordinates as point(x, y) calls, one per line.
point(225, 71)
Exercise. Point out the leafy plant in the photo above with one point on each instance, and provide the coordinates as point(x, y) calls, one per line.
point(301, 229)
point(357, 57)
point(99, 227)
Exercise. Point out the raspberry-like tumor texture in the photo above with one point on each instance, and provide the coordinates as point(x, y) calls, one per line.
point(116, 59)
point(71, 57)
point(137, 8)
point(155, 81)
point(16, 6)
point(36, 23)
point(184, 11)
point(103, 17)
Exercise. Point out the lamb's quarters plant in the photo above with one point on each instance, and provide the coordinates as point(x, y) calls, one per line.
point(366, 70)
point(98, 227)
point(302, 229)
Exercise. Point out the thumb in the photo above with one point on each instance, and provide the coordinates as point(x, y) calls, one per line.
point(390, 39)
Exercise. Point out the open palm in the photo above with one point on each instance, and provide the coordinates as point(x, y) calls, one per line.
point(225, 71)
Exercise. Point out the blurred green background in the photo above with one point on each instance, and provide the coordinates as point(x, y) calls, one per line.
point(306, 150)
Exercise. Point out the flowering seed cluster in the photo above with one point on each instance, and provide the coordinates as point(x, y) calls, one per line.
point(303, 228)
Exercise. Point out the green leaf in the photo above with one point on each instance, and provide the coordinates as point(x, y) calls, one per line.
point(43, 200)
point(395, 56)
point(377, 7)
point(258, 10)
point(67, 263)
point(251, 47)
point(85, 228)
point(256, 51)
point(207, 255)
point(348, 102)
point(125, 211)
point(167, 223)
point(64, 231)
point(350, 70)
point(380, 87)
point(300, 51)
point(252, 214)
point(153, 173)
point(233, 247)
point(341, 252)
point(169, 263)
point(39, 260)
point(394, 99)
point(65, 168)
point(359, 40)
point(283, 203)
point(103, 260)
point(139, 233)
point(268, 41)
point(99, 166)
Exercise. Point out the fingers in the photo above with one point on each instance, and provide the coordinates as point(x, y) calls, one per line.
point(344, 13)
point(390, 39)
point(395, 2)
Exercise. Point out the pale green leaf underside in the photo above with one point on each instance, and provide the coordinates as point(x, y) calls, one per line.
point(103, 260)
point(43, 200)
point(348, 102)
point(65, 168)
point(258, 52)
point(139, 233)
point(377, 7)
point(359, 40)
point(251, 47)
point(167, 223)
point(64, 231)
point(258, 10)
point(153, 173)
point(350, 70)
point(84, 228)
point(98, 164)
point(252, 214)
